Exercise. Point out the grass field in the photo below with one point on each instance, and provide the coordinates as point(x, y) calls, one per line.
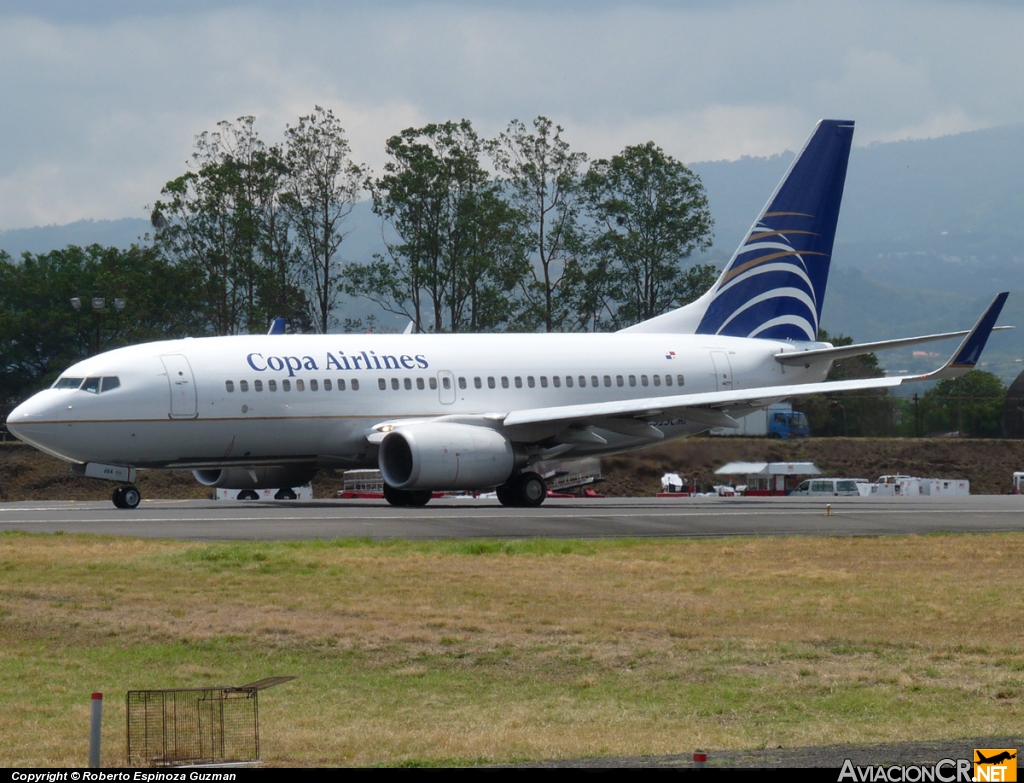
point(490, 651)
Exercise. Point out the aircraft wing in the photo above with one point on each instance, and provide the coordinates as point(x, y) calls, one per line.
point(844, 351)
point(708, 407)
point(706, 403)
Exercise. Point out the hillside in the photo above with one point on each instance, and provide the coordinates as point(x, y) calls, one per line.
point(26, 474)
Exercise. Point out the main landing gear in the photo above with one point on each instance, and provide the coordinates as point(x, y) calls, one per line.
point(525, 490)
point(127, 496)
point(406, 497)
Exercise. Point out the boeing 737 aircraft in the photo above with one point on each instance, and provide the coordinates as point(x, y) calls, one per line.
point(477, 412)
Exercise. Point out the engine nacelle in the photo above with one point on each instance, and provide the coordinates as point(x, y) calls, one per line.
point(445, 456)
point(255, 478)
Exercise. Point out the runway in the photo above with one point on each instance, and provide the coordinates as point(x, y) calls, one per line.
point(557, 518)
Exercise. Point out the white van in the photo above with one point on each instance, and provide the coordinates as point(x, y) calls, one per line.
point(826, 486)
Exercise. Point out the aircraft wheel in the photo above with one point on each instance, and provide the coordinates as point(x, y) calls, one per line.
point(531, 489)
point(395, 497)
point(418, 497)
point(285, 493)
point(118, 497)
point(506, 494)
point(131, 497)
point(248, 494)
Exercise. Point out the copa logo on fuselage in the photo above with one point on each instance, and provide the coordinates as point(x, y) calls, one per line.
point(363, 360)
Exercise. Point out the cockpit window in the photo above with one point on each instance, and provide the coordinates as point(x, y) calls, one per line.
point(91, 385)
point(67, 383)
point(109, 383)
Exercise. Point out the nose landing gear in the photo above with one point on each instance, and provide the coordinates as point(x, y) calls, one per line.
point(127, 496)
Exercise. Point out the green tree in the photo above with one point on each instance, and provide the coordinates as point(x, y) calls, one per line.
point(864, 413)
point(650, 214)
point(321, 188)
point(41, 333)
point(224, 222)
point(544, 182)
point(971, 405)
point(459, 251)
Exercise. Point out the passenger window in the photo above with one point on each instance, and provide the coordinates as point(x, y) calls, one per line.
point(314, 385)
point(619, 380)
point(433, 383)
point(544, 381)
point(355, 384)
point(286, 385)
point(462, 382)
point(632, 380)
point(243, 386)
point(490, 381)
point(446, 382)
point(300, 385)
point(679, 380)
point(643, 380)
point(257, 385)
point(556, 380)
point(341, 384)
point(407, 383)
point(229, 385)
point(382, 384)
point(568, 381)
point(272, 385)
point(91, 385)
point(478, 383)
point(607, 380)
point(657, 380)
point(668, 380)
point(519, 382)
point(583, 381)
point(504, 381)
point(531, 381)
point(394, 384)
point(593, 381)
point(327, 385)
point(421, 385)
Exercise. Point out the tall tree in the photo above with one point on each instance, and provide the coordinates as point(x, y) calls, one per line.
point(650, 214)
point(544, 183)
point(224, 221)
point(321, 189)
point(458, 252)
point(971, 405)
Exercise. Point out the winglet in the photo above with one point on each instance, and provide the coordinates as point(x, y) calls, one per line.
point(966, 356)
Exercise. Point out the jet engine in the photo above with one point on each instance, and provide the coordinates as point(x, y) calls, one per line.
point(255, 478)
point(445, 456)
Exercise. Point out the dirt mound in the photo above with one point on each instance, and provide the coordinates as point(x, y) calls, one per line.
point(27, 474)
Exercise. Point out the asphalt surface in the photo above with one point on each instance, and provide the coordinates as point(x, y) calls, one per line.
point(557, 518)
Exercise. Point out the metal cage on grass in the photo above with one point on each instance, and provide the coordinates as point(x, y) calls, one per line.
point(179, 726)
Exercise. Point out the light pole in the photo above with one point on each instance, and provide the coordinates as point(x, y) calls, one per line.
point(99, 307)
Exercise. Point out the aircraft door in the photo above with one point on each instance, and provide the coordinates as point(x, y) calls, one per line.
point(182, 386)
point(723, 370)
point(446, 386)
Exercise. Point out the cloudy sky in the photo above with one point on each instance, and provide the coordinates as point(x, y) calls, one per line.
point(101, 100)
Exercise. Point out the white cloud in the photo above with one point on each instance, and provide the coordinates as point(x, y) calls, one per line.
point(100, 109)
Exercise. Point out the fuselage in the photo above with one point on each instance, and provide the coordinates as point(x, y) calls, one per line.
point(313, 399)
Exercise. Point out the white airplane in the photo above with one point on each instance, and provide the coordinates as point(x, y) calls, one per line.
point(474, 411)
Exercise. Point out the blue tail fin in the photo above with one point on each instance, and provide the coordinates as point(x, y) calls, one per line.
point(774, 285)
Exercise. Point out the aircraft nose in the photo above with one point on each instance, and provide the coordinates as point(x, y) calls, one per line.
point(26, 422)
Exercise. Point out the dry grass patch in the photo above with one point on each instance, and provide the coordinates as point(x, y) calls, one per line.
point(450, 651)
